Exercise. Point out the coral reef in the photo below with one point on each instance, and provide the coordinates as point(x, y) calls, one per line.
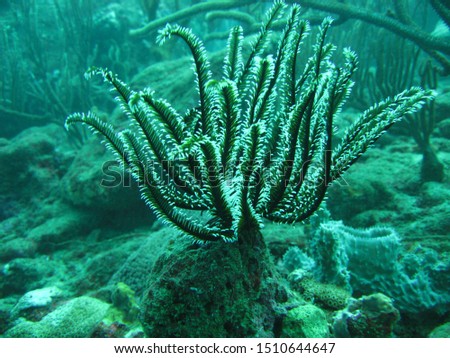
point(80, 259)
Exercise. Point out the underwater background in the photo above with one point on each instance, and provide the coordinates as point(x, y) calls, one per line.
point(77, 243)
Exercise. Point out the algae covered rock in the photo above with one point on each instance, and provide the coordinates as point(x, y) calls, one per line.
point(26, 274)
point(30, 163)
point(444, 128)
point(139, 263)
point(33, 303)
point(306, 321)
point(17, 248)
point(219, 290)
point(371, 316)
point(6, 305)
point(77, 318)
point(442, 331)
point(442, 105)
point(95, 183)
point(63, 225)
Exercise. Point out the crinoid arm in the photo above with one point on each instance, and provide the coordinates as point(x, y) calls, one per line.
point(258, 144)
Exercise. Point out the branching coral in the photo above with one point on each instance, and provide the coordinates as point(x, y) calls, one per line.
point(259, 143)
